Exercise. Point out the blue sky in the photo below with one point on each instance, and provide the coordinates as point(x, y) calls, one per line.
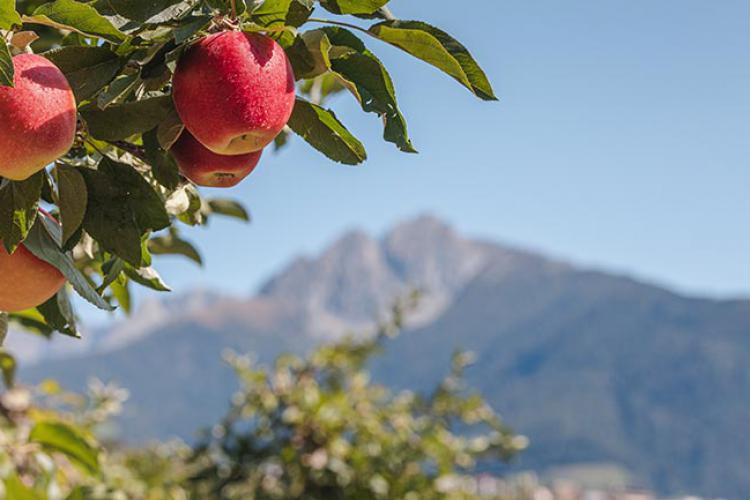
point(621, 140)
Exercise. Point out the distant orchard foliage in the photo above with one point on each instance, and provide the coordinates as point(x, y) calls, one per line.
point(308, 427)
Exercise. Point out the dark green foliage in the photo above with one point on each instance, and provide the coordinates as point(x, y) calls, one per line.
point(6, 65)
point(19, 201)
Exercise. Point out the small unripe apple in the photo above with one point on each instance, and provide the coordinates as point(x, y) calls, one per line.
point(234, 91)
point(37, 117)
point(26, 280)
point(206, 168)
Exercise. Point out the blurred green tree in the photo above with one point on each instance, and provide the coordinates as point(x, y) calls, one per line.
point(316, 427)
point(308, 427)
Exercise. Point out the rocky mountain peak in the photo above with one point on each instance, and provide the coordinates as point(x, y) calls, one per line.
point(358, 276)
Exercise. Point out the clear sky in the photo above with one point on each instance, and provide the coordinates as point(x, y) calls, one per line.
point(621, 140)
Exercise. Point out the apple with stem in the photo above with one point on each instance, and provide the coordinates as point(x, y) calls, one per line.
point(234, 91)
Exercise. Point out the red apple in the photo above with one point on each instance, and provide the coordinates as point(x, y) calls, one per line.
point(37, 117)
point(234, 91)
point(206, 168)
point(26, 280)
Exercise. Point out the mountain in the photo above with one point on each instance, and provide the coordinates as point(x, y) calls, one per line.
point(593, 367)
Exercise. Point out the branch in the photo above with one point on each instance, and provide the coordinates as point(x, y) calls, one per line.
point(387, 14)
point(341, 23)
point(133, 149)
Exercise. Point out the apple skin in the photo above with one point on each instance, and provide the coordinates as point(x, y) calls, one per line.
point(26, 280)
point(234, 91)
point(206, 168)
point(38, 122)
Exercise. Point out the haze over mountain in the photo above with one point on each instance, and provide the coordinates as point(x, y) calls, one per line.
point(592, 367)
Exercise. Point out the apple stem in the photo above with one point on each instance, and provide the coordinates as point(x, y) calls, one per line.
point(234, 9)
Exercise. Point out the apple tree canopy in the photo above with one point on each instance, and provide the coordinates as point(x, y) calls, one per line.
point(117, 193)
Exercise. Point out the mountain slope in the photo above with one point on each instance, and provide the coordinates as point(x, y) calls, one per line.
point(592, 367)
point(598, 368)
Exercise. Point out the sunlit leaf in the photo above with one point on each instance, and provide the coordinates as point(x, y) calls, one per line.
point(75, 16)
point(322, 130)
point(9, 18)
point(7, 71)
point(61, 437)
point(230, 208)
point(439, 49)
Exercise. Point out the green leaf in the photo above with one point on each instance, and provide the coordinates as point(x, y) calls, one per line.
point(7, 367)
point(120, 121)
point(63, 438)
point(169, 130)
point(439, 49)
point(163, 165)
point(190, 27)
point(9, 18)
point(230, 208)
point(76, 16)
point(353, 6)
point(7, 70)
point(73, 197)
point(32, 320)
point(146, 11)
point(323, 131)
point(58, 313)
point(173, 245)
point(148, 277)
point(370, 83)
point(121, 291)
point(186, 203)
point(19, 202)
point(118, 89)
point(309, 55)
point(282, 12)
point(122, 208)
point(44, 246)
point(87, 69)
point(111, 270)
point(16, 490)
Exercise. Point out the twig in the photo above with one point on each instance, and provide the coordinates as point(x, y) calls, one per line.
point(387, 14)
point(133, 149)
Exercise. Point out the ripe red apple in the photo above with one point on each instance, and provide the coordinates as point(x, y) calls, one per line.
point(37, 117)
point(234, 91)
point(25, 280)
point(206, 168)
